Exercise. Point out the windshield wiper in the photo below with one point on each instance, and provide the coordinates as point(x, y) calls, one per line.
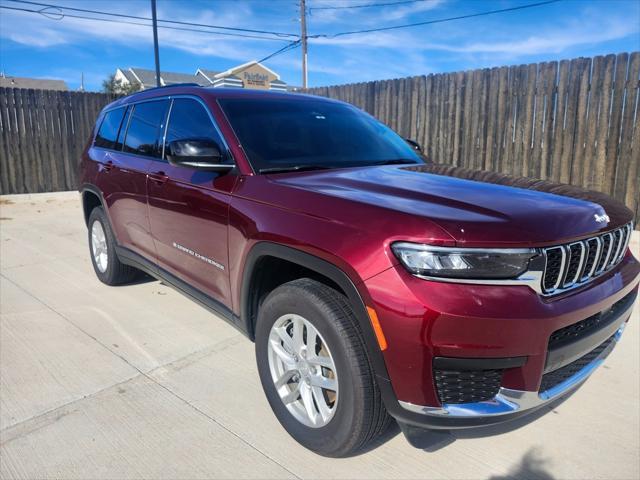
point(293, 168)
point(395, 161)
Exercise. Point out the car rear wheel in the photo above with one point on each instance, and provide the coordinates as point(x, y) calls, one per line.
point(314, 369)
point(102, 248)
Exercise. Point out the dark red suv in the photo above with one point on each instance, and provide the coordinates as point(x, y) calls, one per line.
point(375, 284)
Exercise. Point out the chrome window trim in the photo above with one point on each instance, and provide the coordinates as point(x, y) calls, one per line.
point(508, 400)
point(170, 98)
point(213, 121)
point(166, 127)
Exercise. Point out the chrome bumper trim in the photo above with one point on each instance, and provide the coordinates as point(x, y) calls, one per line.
point(508, 400)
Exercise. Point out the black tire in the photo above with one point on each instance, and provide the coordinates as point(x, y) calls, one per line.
point(116, 272)
point(360, 416)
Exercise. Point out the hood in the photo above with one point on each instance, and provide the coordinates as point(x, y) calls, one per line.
point(475, 207)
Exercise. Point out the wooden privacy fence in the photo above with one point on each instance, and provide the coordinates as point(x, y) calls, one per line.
point(574, 121)
point(43, 133)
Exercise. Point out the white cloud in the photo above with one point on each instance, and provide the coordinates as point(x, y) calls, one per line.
point(552, 39)
point(368, 16)
point(456, 45)
point(38, 31)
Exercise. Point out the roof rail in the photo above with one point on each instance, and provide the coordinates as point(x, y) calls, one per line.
point(187, 84)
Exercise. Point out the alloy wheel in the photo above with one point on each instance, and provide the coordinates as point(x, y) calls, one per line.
point(303, 370)
point(99, 246)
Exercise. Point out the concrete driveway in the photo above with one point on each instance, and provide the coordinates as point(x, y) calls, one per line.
point(140, 382)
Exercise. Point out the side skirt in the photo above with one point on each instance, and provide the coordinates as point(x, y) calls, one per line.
point(133, 259)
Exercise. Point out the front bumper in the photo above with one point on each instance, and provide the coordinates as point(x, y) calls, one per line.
point(424, 320)
point(509, 401)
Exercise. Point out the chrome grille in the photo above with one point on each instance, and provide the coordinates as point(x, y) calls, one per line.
point(575, 260)
point(605, 253)
point(593, 253)
point(571, 265)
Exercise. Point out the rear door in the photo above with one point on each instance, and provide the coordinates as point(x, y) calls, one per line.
point(122, 180)
point(189, 208)
point(125, 181)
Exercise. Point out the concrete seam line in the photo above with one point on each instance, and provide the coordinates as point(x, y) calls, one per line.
point(151, 378)
point(7, 431)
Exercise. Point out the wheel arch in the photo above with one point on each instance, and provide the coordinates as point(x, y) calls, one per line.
point(248, 296)
point(91, 198)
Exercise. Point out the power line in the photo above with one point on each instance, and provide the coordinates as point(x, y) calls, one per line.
point(135, 17)
point(62, 15)
point(284, 49)
point(303, 41)
point(440, 20)
point(368, 5)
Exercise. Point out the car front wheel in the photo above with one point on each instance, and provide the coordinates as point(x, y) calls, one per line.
point(315, 371)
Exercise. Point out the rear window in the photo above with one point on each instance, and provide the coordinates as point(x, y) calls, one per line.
point(144, 129)
point(109, 128)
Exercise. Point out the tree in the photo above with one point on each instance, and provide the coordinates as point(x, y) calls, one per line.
point(116, 87)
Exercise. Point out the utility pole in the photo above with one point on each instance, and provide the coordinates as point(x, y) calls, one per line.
point(155, 41)
point(303, 39)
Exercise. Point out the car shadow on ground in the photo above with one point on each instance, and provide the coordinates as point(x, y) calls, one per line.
point(433, 440)
point(140, 279)
point(531, 466)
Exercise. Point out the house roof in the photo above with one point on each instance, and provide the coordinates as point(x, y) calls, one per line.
point(233, 70)
point(146, 77)
point(208, 74)
point(170, 78)
point(34, 83)
point(202, 76)
point(128, 75)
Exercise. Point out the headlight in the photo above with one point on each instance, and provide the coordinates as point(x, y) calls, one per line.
point(470, 263)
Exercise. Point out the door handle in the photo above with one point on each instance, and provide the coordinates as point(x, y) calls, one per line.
point(159, 178)
point(107, 166)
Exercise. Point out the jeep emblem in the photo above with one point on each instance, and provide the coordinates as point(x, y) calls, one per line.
point(601, 218)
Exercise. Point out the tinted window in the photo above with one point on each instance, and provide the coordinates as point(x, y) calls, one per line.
point(277, 133)
point(109, 128)
point(123, 129)
point(190, 120)
point(144, 129)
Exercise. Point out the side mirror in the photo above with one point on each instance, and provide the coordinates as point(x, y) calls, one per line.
point(415, 145)
point(197, 153)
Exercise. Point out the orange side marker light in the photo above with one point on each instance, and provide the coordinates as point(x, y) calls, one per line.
point(377, 328)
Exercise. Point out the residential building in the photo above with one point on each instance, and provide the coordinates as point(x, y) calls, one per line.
point(248, 75)
point(33, 83)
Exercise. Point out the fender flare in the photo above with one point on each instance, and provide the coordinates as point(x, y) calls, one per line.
point(327, 269)
point(88, 187)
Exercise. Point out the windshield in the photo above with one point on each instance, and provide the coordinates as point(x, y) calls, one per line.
point(301, 134)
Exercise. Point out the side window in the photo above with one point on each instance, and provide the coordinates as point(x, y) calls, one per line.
point(188, 121)
point(109, 128)
point(123, 129)
point(144, 129)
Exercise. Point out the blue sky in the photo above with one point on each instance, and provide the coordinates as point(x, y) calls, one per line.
point(35, 46)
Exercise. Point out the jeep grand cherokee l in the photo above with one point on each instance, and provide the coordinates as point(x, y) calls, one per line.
point(376, 285)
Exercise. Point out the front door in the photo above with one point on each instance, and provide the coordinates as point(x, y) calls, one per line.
point(188, 208)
